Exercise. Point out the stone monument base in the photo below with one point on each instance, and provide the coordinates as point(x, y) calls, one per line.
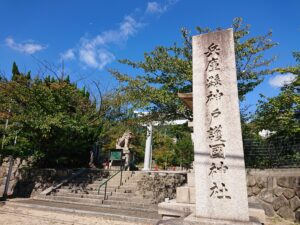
point(174, 209)
point(193, 220)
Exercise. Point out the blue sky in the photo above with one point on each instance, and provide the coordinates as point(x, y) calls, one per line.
point(91, 35)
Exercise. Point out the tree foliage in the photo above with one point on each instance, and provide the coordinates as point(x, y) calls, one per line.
point(165, 71)
point(50, 119)
point(172, 146)
point(282, 113)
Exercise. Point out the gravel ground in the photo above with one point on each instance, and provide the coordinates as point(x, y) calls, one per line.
point(16, 216)
point(279, 221)
point(10, 215)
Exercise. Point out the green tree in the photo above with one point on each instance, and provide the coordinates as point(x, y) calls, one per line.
point(50, 119)
point(172, 146)
point(165, 71)
point(112, 129)
point(282, 113)
point(163, 149)
point(184, 150)
point(15, 70)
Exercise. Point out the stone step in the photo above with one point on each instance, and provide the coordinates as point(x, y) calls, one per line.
point(132, 182)
point(130, 204)
point(121, 198)
point(129, 186)
point(126, 195)
point(100, 176)
point(87, 192)
point(73, 199)
point(129, 182)
point(129, 199)
point(95, 188)
point(78, 181)
point(124, 174)
point(110, 182)
point(109, 185)
point(133, 179)
point(118, 177)
point(126, 190)
point(96, 203)
point(137, 175)
point(116, 186)
point(81, 195)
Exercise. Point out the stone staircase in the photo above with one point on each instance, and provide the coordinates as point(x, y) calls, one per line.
point(80, 194)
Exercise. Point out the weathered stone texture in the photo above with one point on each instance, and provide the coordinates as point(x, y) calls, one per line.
point(286, 213)
point(287, 182)
point(183, 195)
point(192, 195)
point(271, 183)
point(158, 187)
point(278, 191)
point(297, 216)
point(256, 190)
point(279, 202)
point(191, 179)
point(26, 182)
point(262, 182)
point(249, 191)
point(269, 211)
point(295, 203)
point(289, 193)
point(251, 181)
point(221, 98)
point(297, 190)
point(267, 196)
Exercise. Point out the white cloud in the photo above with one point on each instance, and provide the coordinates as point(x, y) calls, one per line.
point(94, 52)
point(157, 8)
point(281, 80)
point(154, 7)
point(95, 58)
point(105, 57)
point(68, 55)
point(28, 47)
point(88, 57)
point(129, 27)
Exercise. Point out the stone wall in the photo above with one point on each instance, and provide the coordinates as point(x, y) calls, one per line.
point(34, 181)
point(158, 186)
point(15, 174)
point(277, 190)
point(26, 181)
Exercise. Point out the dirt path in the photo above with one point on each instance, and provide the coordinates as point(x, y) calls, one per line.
point(15, 216)
point(279, 221)
point(10, 215)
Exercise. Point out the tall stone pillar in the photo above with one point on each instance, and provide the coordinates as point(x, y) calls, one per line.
point(220, 177)
point(148, 148)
